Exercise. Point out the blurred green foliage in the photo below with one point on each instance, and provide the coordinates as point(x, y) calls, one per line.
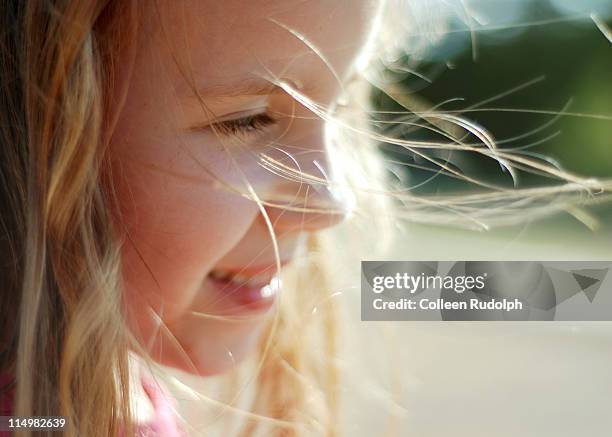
point(569, 66)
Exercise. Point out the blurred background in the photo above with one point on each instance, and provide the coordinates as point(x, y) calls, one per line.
point(534, 74)
point(538, 76)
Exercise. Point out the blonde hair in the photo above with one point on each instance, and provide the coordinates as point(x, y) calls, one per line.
point(61, 310)
point(64, 335)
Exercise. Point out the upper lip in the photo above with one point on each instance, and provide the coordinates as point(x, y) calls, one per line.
point(250, 270)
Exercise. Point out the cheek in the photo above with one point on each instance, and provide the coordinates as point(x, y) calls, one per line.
point(174, 231)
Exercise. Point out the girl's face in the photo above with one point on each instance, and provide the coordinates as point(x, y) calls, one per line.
point(196, 250)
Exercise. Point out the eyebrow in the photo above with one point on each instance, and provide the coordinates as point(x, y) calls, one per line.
point(245, 87)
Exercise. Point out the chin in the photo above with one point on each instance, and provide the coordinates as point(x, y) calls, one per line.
point(220, 354)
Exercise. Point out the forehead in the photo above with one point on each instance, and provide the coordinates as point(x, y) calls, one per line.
point(231, 39)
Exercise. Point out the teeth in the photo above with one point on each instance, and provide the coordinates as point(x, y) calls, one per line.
point(272, 288)
point(264, 280)
point(240, 278)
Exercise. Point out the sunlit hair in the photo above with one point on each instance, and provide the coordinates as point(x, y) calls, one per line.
point(61, 317)
point(63, 335)
point(490, 204)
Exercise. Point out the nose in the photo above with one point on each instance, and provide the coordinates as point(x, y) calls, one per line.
point(302, 207)
point(305, 193)
point(310, 196)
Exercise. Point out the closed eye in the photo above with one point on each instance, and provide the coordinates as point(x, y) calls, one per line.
point(243, 125)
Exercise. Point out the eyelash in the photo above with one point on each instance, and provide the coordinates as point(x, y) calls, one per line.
point(244, 125)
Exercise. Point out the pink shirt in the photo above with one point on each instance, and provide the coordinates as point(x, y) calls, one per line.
point(163, 424)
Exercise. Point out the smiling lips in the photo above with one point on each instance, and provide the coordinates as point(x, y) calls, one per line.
point(250, 288)
point(257, 280)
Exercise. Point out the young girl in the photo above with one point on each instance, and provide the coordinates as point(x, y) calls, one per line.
point(164, 168)
point(139, 210)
